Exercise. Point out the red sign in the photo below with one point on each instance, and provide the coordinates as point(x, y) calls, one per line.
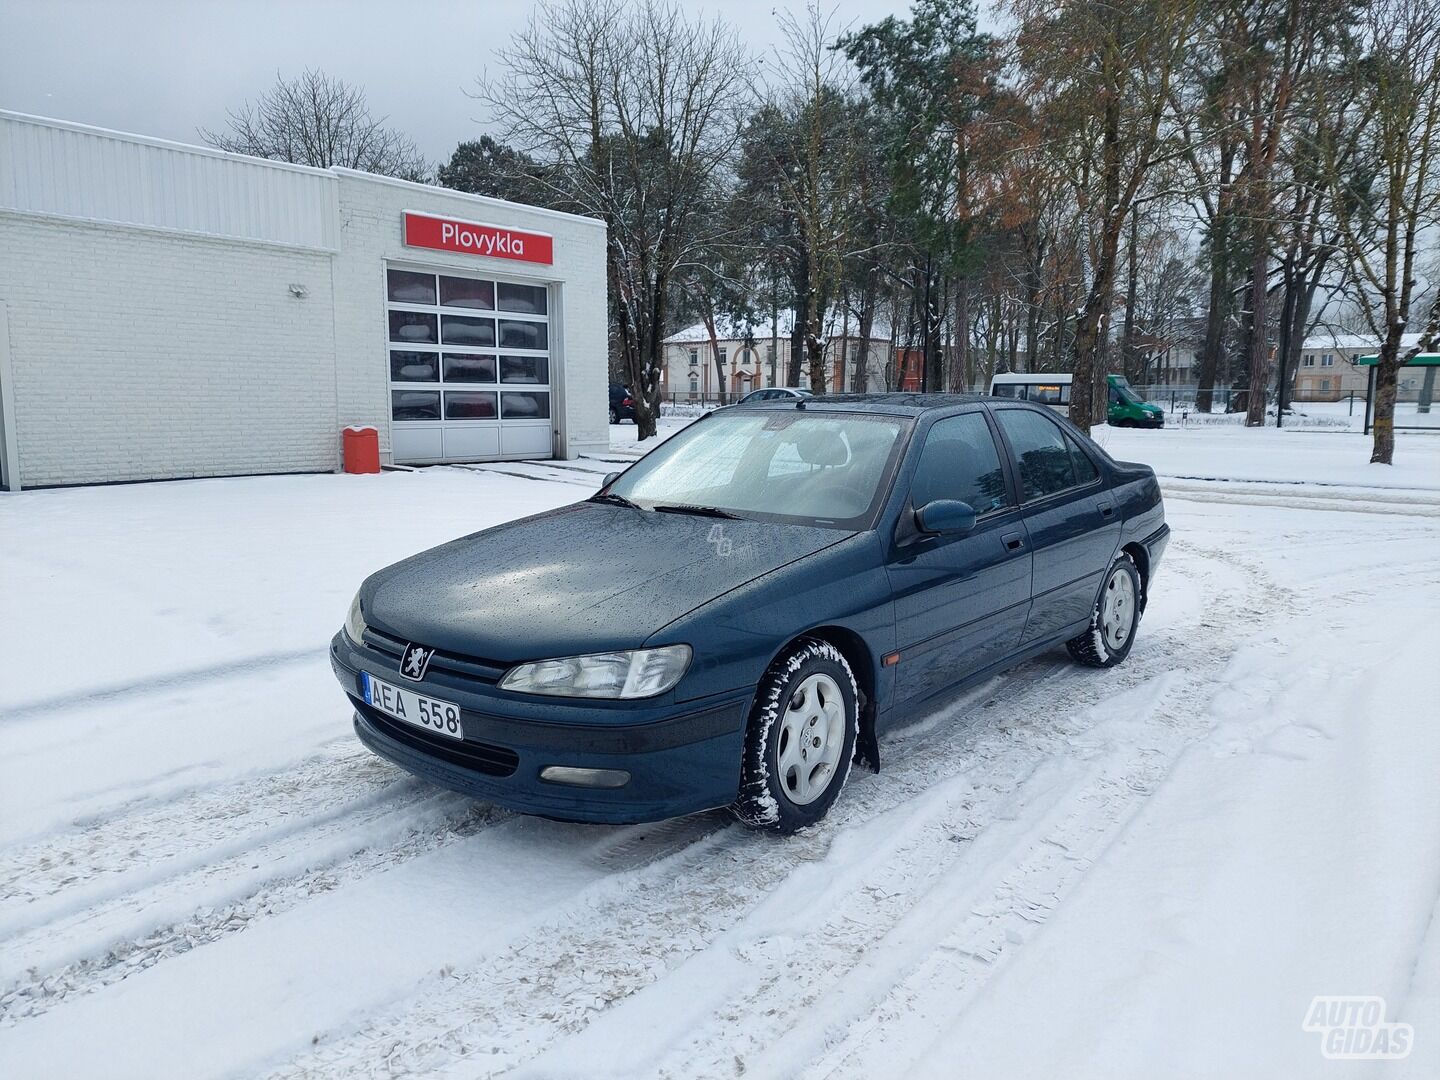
point(472, 238)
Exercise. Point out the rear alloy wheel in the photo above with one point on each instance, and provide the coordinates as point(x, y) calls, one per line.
point(1114, 620)
point(800, 741)
point(614, 416)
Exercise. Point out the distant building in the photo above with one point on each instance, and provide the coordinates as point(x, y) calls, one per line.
point(1328, 371)
point(756, 356)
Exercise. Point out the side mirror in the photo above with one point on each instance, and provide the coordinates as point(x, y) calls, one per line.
point(945, 516)
point(610, 478)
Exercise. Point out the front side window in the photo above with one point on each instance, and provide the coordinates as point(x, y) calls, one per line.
point(808, 468)
point(1040, 452)
point(959, 461)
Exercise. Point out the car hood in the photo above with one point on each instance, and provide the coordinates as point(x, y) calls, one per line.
point(584, 578)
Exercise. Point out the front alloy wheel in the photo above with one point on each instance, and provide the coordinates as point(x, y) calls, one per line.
point(800, 740)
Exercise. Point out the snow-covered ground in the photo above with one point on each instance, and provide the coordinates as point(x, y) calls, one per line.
point(1144, 872)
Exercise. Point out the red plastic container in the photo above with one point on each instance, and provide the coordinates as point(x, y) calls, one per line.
point(361, 449)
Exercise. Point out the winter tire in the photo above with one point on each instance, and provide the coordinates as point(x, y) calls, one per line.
point(1115, 619)
point(800, 740)
point(614, 417)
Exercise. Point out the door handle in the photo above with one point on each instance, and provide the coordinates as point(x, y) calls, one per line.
point(1013, 541)
point(1106, 510)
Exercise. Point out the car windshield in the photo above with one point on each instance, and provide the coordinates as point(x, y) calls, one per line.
point(1126, 392)
point(811, 468)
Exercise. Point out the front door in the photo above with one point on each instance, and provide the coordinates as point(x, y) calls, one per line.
point(1070, 517)
point(960, 601)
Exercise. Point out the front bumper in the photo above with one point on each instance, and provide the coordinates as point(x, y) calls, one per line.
point(681, 759)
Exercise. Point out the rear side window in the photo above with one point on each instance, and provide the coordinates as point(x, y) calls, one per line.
point(1085, 470)
point(1040, 452)
point(959, 461)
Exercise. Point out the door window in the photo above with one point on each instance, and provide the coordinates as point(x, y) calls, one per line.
point(1040, 452)
point(959, 461)
point(1085, 470)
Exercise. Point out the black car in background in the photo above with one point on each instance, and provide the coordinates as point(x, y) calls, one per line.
point(622, 405)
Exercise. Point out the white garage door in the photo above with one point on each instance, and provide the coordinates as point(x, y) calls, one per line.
point(469, 367)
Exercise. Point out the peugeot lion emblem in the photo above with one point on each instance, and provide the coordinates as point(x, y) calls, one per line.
point(414, 661)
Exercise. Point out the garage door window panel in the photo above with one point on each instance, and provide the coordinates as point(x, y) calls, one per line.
point(412, 327)
point(411, 405)
point(469, 368)
point(515, 334)
point(467, 293)
point(531, 406)
point(463, 330)
point(409, 287)
point(525, 369)
point(524, 299)
point(469, 405)
point(414, 367)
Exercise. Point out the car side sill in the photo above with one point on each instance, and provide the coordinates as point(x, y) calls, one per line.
point(1027, 652)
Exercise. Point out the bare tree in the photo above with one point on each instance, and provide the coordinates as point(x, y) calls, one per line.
point(636, 108)
point(1388, 218)
point(815, 153)
point(1101, 76)
point(321, 121)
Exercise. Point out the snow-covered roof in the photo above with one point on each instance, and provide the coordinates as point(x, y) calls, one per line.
point(760, 330)
point(1353, 342)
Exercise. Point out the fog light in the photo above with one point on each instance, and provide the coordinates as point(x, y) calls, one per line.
point(597, 778)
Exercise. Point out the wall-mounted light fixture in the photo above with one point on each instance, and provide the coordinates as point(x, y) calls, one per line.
point(300, 292)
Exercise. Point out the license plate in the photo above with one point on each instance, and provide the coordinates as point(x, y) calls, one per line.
point(429, 713)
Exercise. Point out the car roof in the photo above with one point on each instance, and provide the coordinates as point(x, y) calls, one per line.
point(901, 404)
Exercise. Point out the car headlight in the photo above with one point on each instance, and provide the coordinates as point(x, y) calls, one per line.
point(636, 673)
point(355, 622)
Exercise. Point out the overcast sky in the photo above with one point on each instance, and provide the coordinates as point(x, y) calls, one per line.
point(167, 67)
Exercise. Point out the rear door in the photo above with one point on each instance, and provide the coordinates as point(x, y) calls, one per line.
point(1070, 519)
point(960, 601)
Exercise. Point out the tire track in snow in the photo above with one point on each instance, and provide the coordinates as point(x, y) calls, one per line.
point(135, 930)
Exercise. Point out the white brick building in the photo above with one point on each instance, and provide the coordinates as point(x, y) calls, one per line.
point(173, 311)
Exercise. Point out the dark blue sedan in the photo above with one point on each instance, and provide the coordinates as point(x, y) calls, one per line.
point(740, 614)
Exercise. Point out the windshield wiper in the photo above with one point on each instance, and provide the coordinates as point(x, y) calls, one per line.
point(613, 500)
point(698, 511)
